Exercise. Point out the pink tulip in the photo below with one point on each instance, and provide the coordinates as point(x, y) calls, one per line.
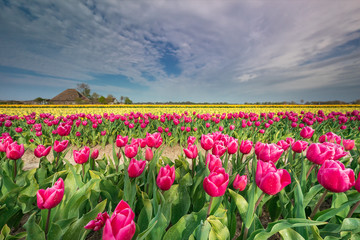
point(258, 148)
point(269, 179)
point(121, 225)
point(348, 144)
point(216, 183)
point(335, 177)
point(18, 129)
point(290, 140)
point(99, 222)
point(246, 146)
point(121, 141)
point(41, 151)
point(299, 146)
point(270, 152)
point(166, 177)
point(283, 144)
point(218, 149)
point(191, 151)
point(15, 151)
point(191, 140)
point(207, 142)
point(307, 132)
point(60, 146)
point(148, 154)
point(81, 156)
point(357, 183)
point(330, 137)
point(131, 150)
point(63, 130)
point(213, 162)
point(136, 168)
point(318, 153)
point(240, 182)
point(5, 142)
point(51, 197)
point(232, 146)
point(95, 154)
point(338, 150)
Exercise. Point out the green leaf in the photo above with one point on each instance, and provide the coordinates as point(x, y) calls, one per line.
point(55, 232)
point(316, 233)
point(290, 234)
point(241, 203)
point(339, 199)
point(179, 197)
point(329, 213)
point(299, 209)
point(351, 225)
point(33, 230)
point(218, 229)
point(186, 225)
point(312, 193)
point(202, 231)
point(76, 229)
point(152, 224)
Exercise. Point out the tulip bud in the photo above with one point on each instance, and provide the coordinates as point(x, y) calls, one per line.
point(136, 168)
point(240, 182)
point(51, 197)
point(299, 146)
point(121, 141)
point(41, 151)
point(206, 142)
point(213, 162)
point(246, 146)
point(99, 222)
point(191, 151)
point(15, 151)
point(165, 178)
point(81, 156)
point(60, 146)
point(216, 183)
point(348, 144)
point(95, 154)
point(148, 154)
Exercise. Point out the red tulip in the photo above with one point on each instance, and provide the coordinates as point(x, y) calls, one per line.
point(148, 154)
point(60, 146)
point(207, 142)
point(348, 144)
point(121, 225)
point(15, 151)
point(121, 141)
point(240, 182)
point(213, 162)
point(269, 179)
point(41, 151)
point(51, 197)
point(335, 177)
point(95, 154)
point(299, 146)
point(81, 156)
point(270, 152)
point(191, 151)
point(99, 222)
point(216, 183)
point(165, 178)
point(131, 150)
point(136, 168)
point(246, 146)
point(318, 153)
point(307, 132)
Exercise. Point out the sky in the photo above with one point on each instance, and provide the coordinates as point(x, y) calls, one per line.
point(189, 50)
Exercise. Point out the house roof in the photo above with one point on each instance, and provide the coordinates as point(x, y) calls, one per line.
point(69, 95)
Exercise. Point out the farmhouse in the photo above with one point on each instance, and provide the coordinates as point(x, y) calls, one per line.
point(69, 96)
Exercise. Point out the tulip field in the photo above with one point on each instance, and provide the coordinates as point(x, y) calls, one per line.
point(254, 172)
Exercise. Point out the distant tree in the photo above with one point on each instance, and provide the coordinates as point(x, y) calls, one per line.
point(102, 100)
point(38, 99)
point(302, 101)
point(94, 97)
point(128, 101)
point(109, 98)
point(121, 99)
point(84, 89)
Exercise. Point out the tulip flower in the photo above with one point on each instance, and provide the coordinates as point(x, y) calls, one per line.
point(335, 177)
point(121, 225)
point(94, 154)
point(63, 130)
point(82, 156)
point(99, 222)
point(216, 183)
point(165, 178)
point(338, 150)
point(213, 162)
point(191, 151)
point(131, 150)
point(136, 168)
point(290, 140)
point(218, 149)
point(191, 140)
point(258, 148)
point(318, 153)
point(51, 197)
point(14, 151)
point(299, 146)
point(246, 146)
point(153, 139)
point(348, 144)
point(283, 144)
point(269, 179)
point(18, 129)
point(307, 132)
point(330, 137)
point(121, 141)
point(270, 152)
point(232, 146)
point(41, 151)
point(207, 142)
point(60, 146)
point(240, 182)
point(148, 154)
point(357, 187)
point(5, 142)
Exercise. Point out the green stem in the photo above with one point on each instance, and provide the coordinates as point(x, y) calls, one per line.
point(209, 208)
point(47, 222)
point(83, 171)
point(245, 233)
point(258, 201)
point(15, 170)
point(353, 209)
point(309, 172)
point(319, 204)
point(193, 167)
point(57, 159)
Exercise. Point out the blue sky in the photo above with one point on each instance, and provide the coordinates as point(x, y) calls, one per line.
point(189, 50)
